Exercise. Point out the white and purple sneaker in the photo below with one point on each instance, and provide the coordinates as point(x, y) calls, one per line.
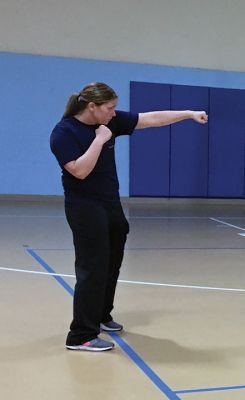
point(92, 345)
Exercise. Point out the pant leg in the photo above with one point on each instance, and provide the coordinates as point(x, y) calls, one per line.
point(89, 225)
point(118, 230)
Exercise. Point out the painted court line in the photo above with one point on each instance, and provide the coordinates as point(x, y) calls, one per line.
point(153, 248)
point(213, 389)
point(58, 278)
point(144, 367)
point(128, 216)
point(30, 216)
point(27, 271)
point(226, 223)
point(183, 286)
point(165, 389)
point(140, 363)
point(127, 281)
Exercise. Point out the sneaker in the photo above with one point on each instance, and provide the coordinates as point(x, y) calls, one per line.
point(110, 326)
point(93, 345)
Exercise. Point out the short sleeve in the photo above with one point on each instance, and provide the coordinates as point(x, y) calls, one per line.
point(65, 146)
point(123, 123)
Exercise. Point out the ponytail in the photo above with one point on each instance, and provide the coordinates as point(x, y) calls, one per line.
point(74, 105)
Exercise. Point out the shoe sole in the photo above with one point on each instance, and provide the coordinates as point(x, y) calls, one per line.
point(104, 328)
point(87, 348)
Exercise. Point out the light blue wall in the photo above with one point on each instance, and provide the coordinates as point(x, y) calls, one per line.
point(34, 91)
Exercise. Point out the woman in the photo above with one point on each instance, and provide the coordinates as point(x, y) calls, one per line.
point(83, 143)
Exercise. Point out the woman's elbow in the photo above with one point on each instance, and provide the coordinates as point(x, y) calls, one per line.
point(79, 174)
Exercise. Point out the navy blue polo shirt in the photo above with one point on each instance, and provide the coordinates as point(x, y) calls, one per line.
point(70, 139)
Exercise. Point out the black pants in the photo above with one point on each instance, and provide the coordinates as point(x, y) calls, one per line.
point(99, 235)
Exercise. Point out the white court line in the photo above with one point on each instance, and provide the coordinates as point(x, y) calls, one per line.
point(35, 272)
point(130, 282)
point(179, 217)
point(128, 216)
point(30, 216)
point(184, 286)
point(226, 223)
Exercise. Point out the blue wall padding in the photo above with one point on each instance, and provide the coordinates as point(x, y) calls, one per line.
point(227, 134)
point(189, 160)
point(189, 144)
point(149, 148)
point(34, 91)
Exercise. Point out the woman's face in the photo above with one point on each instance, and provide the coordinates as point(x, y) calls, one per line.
point(105, 112)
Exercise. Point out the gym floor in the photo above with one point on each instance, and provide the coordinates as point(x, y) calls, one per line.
point(181, 299)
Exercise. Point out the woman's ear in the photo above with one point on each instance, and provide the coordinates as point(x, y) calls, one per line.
point(91, 106)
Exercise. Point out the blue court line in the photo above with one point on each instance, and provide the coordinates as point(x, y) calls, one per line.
point(61, 281)
point(172, 395)
point(214, 389)
point(143, 366)
point(124, 346)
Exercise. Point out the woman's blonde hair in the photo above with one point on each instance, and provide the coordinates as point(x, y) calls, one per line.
point(98, 93)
